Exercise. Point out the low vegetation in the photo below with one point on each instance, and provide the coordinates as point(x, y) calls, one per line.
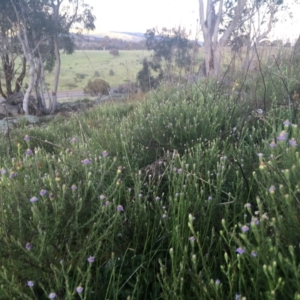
point(190, 193)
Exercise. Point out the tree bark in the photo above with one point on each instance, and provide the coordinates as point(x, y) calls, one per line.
point(213, 44)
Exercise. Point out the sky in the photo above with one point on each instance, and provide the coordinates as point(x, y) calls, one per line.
point(140, 15)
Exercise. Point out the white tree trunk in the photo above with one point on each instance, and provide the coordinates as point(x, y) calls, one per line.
point(213, 44)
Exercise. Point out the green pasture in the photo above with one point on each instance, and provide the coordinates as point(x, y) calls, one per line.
point(78, 68)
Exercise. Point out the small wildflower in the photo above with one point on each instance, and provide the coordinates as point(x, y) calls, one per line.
point(73, 187)
point(247, 205)
point(273, 144)
point(30, 283)
point(240, 250)
point(107, 203)
point(73, 140)
point(51, 196)
point(217, 282)
point(13, 174)
point(192, 239)
point(119, 170)
point(260, 154)
point(79, 289)
point(33, 199)
point(86, 162)
point(28, 152)
point(28, 246)
point(209, 198)
point(293, 142)
point(237, 297)
point(282, 136)
point(43, 192)
point(52, 296)
point(286, 123)
point(118, 181)
point(157, 198)
point(272, 189)
point(91, 259)
point(104, 153)
point(3, 171)
point(140, 195)
point(120, 208)
point(164, 216)
point(102, 197)
point(253, 253)
point(245, 228)
point(179, 171)
point(26, 138)
point(254, 221)
point(259, 111)
point(160, 162)
point(223, 158)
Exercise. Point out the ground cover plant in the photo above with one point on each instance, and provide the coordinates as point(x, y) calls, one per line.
point(190, 193)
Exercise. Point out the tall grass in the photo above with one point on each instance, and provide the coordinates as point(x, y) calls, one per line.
point(191, 193)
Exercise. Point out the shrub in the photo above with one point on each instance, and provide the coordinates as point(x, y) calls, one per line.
point(97, 87)
point(96, 74)
point(80, 75)
point(114, 52)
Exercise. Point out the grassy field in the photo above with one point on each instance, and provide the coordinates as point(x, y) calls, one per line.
point(78, 68)
point(189, 193)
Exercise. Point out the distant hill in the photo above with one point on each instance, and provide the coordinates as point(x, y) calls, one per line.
point(125, 36)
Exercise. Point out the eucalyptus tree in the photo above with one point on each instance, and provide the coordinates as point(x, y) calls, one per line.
point(44, 28)
point(13, 62)
point(219, 19)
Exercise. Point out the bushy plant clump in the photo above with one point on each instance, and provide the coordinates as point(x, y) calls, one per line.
point(189, 194)
point(97, 87)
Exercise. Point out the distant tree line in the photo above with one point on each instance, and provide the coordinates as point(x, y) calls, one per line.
point(107, 43)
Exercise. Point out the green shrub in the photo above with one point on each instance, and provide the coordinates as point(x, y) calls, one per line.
point(97, 87)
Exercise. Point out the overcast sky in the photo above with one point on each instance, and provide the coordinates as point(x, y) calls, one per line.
point(140, 15)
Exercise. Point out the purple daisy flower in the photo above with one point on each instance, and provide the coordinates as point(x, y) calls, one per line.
point(86, 162)
point(73, 187)
point(120, 208)
point(13, 174)
point(240, 250)
point(272, 189)
point(245, 228)
point(293, 142)
point(282, 136)
point(33, 199)
point(43, 192)
point(30, 283)
point(104, 153)
point(28, 152)
point(28, 246)
point(52, 296)
point(91, 259)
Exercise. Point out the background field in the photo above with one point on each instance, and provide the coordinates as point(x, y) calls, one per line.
point(78, 68)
